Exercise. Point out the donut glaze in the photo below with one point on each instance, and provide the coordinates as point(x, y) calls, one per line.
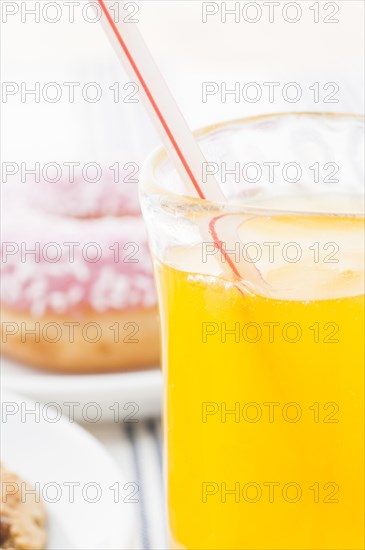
point(77, 198)
point(54, 263)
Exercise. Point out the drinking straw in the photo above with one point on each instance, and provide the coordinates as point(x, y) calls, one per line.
point(175, 134)
point(229, 225)
point(170, 123)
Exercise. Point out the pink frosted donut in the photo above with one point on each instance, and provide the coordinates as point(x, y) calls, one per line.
point(76, 271)
point(77, 198)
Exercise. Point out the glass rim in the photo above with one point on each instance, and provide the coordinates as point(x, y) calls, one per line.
point(150, 186)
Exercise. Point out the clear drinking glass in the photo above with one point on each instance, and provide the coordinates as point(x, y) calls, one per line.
point(261, 302)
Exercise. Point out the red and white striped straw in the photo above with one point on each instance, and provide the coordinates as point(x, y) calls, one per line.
point(176, 136)
point(170, 123)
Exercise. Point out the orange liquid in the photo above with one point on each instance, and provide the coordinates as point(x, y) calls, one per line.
point(264, 418)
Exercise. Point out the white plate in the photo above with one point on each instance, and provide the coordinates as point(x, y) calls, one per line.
point(57, 453)
point(119, 396)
